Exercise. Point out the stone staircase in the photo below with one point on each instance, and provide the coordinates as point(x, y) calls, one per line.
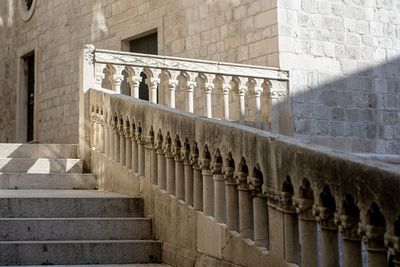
point(52, 214)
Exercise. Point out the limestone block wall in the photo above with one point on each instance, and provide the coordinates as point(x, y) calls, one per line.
point(224, 30)
point(344, 62)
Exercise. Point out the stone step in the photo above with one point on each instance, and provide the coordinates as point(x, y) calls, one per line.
point(40, 165)
point(47, 181)
point(53, 151)
point(40, 229)
point(67, 204)
point(79, 252)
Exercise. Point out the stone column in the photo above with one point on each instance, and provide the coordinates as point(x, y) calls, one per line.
point(232, 199)
point(189, 91)
point(242, 103)
point(219, 189)
point(170, 165)
point(116, 141)
point(197, 179)
point(226, 88)
point(122, 145)
point(290, 224)
point(245, 202)
point(329, 236)
point(209, 86)
point(373, 236)
point(188, 173)
point(135, 150)
point(106, 138)
point(99, 74)
point(128, 143)
point(308, 231)
point(153, 84)
point(260, 208)
point(173, 84)
point(161, 168)
point(102, 133)
point(179, 170)
point(208, 184)
point(258, 89)
point(141, 157)
point(134, 82)
point(117, 77)
point(153, 157)
point(392, 241)
point(348, 227)
point(111, 138)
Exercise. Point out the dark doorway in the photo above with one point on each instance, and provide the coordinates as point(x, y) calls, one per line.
point(29, 70)
point(146, 45)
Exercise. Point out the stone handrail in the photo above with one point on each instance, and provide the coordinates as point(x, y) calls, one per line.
point(273, 191)
point(243, 93)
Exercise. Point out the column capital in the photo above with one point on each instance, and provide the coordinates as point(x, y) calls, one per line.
point(230, 170)
point(177, 149)
point(256, 181)
point(243, 173)
point(151, 140)
point(159, 145)
point(217, 163)
point(373, 236)
point(304, 208)
point(168, 146)
point(186, 153)
point(206, 159)
point(325, 216)
point(348, 226)
point(195, 157)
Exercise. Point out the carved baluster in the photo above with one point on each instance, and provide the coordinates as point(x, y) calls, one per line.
point(153, 157)
point(128, 143)
point(219, 189)
point(347, 223)
point(258, 90)
point(116, 139)
point(101, 130)
point(179, 170)
point(245, 202)
point(277, 94)
point(325, 215)
point(134, 80)
point(122, 145)
point(308, 227)
point(170, 165)
point(242, 90)
point(141, 157)
point(106, 138)
point(226, 88)
point(191, 85)
point(173, 84)
point(99, 74)
point(208, 184)
point(260, 208)
point(290, 221)
point(117, 77)
point(373, 235)
point(209, 86)
point(188, 173)
point(134, 149)
point(197, 179)
point(153, 82)
point(161, 165)
point(232, 200)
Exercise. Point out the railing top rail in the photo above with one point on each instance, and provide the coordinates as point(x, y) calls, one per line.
point(187, 64)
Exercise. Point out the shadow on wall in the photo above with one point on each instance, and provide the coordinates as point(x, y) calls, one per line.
point(357, 113)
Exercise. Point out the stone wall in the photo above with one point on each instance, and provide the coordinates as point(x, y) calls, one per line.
point(228, 30)
point(344, 62)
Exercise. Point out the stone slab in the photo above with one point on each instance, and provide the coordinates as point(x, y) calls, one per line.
point(40, 165)
point(67, 204)
point(15, 150)
point(80, 252)
point(19, 229)
point(47, 181)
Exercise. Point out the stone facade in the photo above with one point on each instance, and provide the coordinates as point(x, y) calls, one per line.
point(341, 56)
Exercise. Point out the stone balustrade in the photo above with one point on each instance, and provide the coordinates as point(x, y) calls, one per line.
point(242, 93)
point(272, 190)
point(267, 191)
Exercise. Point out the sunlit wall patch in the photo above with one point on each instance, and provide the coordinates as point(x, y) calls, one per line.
point(26, 8)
